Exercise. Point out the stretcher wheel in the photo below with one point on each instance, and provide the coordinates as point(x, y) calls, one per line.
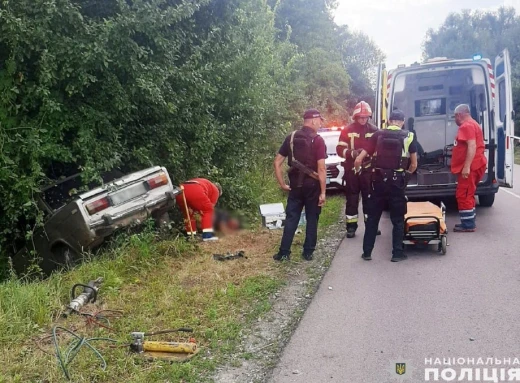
point(443, 245)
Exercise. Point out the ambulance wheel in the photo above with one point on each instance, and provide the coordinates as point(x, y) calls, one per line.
point(443, 245)
point(486, 200)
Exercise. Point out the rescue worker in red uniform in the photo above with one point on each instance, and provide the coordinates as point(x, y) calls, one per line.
point(201, 197)
point(352, 141)
point(469, 163)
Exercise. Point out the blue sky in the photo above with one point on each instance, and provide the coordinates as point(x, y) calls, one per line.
point(399, 27)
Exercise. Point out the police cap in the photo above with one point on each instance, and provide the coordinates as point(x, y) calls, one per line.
point(396, 115)
point(312, 113)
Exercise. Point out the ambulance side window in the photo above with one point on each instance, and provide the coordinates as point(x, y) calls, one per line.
point(502, 99)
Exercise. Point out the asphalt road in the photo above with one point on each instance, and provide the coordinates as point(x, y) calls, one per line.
point(369, 315)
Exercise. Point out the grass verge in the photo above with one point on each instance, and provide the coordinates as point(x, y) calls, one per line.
point(158, 285)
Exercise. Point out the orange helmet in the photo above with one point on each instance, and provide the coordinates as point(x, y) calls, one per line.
point(362, 109)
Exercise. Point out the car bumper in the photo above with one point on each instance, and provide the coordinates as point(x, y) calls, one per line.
point(443, 191)
point(134, 214)
point(334, 178)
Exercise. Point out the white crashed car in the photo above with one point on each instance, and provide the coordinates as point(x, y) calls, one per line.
point(76, 221)
point(333, 162)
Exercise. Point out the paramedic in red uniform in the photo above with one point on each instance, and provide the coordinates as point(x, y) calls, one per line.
point(352, 140)
point(469, 163)
point(201, 197)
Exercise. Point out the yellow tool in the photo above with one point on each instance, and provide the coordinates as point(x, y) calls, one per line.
point(173, 351)
point(187, 212)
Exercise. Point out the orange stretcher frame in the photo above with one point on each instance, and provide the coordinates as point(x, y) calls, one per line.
point(421, 213)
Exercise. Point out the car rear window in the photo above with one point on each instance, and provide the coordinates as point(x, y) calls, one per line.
point(63, 192)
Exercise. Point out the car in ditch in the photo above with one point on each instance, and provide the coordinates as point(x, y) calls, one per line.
point(77, 221)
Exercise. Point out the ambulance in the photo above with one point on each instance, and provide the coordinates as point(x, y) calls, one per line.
point(428, 93)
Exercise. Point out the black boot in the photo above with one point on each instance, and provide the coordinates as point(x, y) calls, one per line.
point(282, 257)
point(399, 258)
point(351, 230)
point(366, 257)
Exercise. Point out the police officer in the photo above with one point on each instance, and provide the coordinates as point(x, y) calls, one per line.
point(307, 153)
point(394, 151)
point(352, 140)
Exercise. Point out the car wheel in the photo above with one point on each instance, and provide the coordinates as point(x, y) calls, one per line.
point(486, 200)
point(64, 257)
point(163, 221)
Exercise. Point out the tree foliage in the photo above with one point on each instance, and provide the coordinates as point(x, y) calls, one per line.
point(338, 64)
point(203, 87)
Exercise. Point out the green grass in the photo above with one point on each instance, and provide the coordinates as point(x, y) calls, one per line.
point(158, 284)
point(330, 212)
point(517, 155)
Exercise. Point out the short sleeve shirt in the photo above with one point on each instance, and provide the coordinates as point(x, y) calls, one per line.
point(469, 130)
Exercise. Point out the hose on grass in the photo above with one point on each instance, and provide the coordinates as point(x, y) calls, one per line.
point(65, 359)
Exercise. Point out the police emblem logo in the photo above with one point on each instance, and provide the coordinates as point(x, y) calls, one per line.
point(401, 370)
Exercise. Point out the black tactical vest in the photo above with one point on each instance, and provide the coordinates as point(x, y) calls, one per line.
point(302, 148)
point(389, 150)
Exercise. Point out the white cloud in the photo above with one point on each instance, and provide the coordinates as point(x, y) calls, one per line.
point(399, 27)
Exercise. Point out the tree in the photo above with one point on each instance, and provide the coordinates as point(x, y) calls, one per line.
point(342, 63)
point(361, 56)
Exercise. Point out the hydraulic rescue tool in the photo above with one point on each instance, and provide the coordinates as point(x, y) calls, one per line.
point(89, 295)
point(173, 351)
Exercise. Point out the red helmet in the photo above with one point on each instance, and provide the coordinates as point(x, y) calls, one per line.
point(362, 109)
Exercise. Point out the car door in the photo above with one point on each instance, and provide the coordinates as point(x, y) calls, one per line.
point(504, 120)
point(381, 101)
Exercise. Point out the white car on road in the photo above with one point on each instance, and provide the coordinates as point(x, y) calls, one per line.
point(333, 162)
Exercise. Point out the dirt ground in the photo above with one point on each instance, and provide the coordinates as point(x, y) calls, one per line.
point(263, 343)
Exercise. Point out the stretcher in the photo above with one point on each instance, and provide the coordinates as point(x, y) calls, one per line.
point(425, 223)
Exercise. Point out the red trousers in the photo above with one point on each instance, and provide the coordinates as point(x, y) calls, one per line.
point(466, 188)
point(200, 200)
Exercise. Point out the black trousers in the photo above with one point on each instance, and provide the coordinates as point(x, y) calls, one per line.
point(356, 183)
point(308, 197)
point(388, 189)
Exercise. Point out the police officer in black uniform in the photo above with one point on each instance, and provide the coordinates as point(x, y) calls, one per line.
point(394, 152)
point(307, 174)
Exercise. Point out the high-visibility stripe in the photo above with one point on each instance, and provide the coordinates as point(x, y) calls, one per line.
point(207, 230)
point(352, 218)
point(491, 80)
point(342, 143)
point(352, 137)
